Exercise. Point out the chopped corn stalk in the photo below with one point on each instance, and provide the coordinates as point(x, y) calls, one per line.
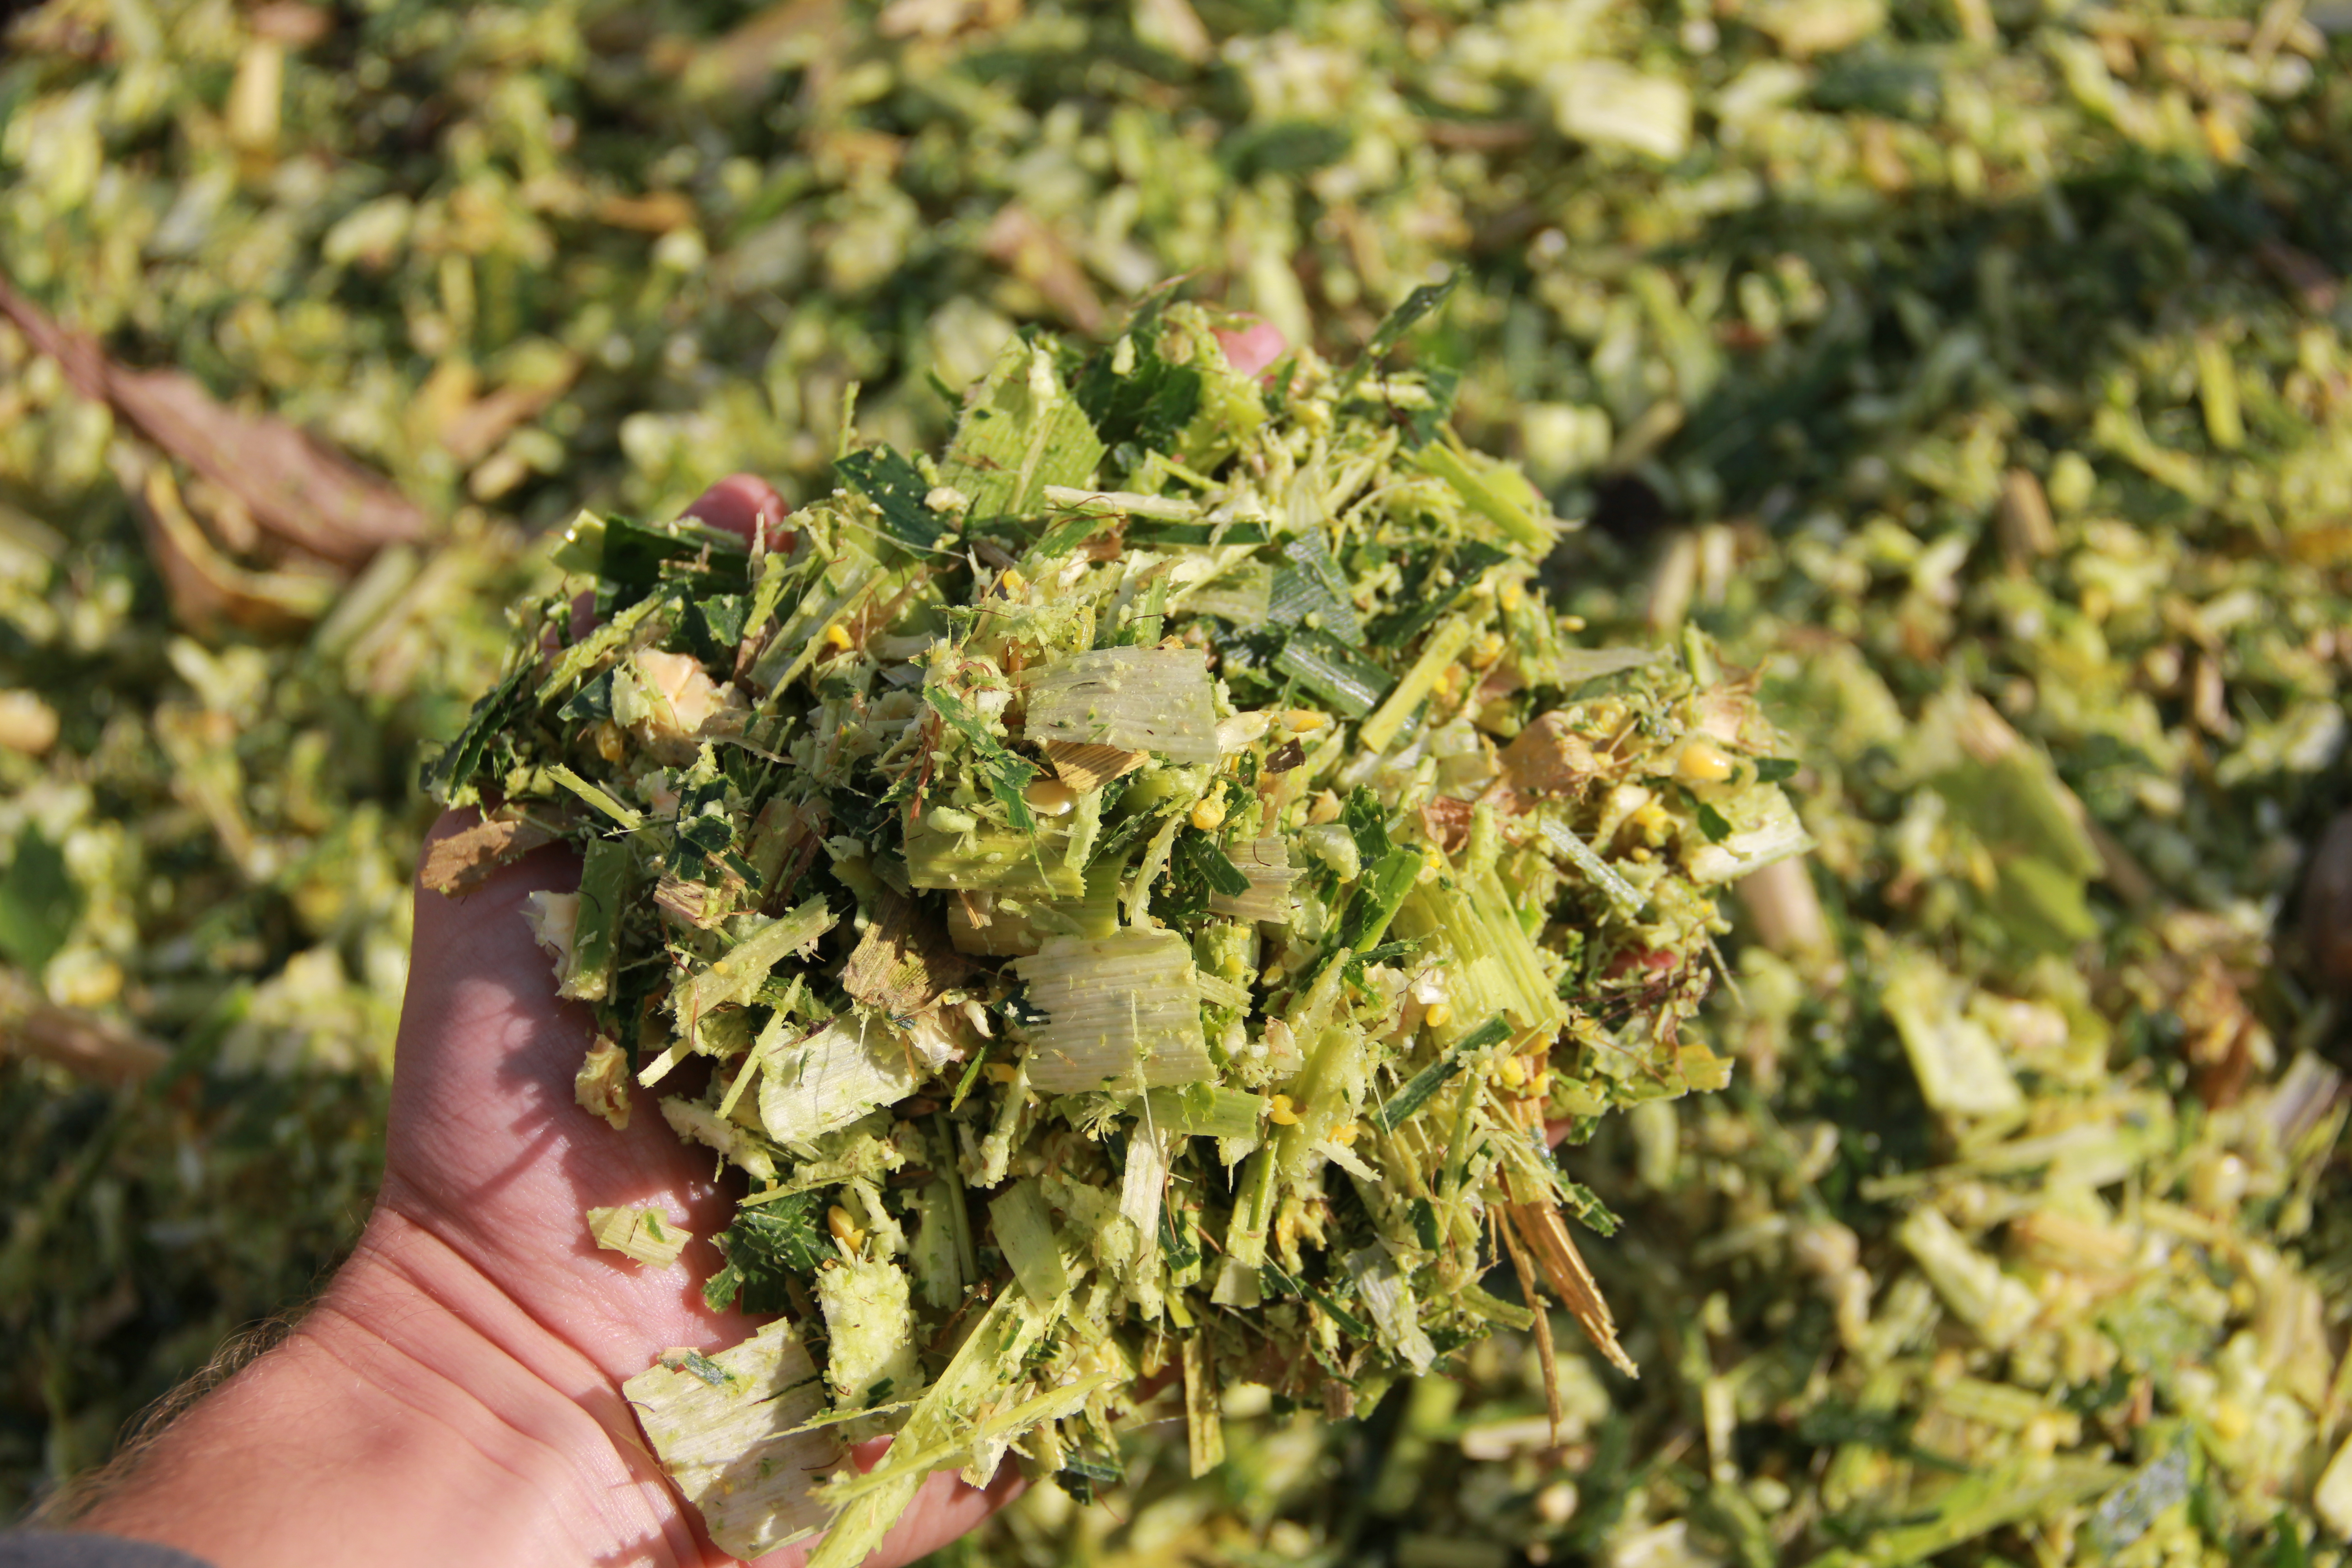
point(1122, 1012)
point(641, 1234)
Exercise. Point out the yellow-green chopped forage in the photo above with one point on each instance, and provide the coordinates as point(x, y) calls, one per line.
point(1950, 349)
point(1150, 892)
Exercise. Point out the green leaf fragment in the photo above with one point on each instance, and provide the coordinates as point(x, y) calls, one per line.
point(895, 488)
point(1423, 1086)
point(1348, 684)
point(39, 900)
point(768, 1243)
point(1409, 311)
point(1622, 894)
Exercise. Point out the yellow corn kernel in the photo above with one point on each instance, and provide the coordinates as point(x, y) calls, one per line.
point(1486, 650)
point(1002, 1072)
point(1014, 582)
point(1512, 1071)
point(1639, 855)
point(1438, 1016)
point(611, 744)
point(1345, 1133)
point(1703, 762)
point(1280, 1113)
point(1304, 721)
point(837, 638)
point(1511, 596)
point(844, 1229)
point(1210, 814)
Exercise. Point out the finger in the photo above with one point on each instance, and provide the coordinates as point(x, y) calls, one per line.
point(1252, 348)
point(944, 1509)
point(740, 503)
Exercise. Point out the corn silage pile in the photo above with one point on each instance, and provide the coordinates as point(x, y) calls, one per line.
point(1913, 352)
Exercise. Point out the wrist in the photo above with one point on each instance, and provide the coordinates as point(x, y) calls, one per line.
point(417, 1414)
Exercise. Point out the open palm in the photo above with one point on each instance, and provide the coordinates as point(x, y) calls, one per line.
point(489, 1155)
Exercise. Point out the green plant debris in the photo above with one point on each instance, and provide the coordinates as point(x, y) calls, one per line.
point(945, 744)
point(1971, 373)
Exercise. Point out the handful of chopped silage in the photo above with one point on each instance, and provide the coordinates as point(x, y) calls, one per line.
point(1129, 895)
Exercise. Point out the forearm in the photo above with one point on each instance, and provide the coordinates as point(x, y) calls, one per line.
point(415, 1416)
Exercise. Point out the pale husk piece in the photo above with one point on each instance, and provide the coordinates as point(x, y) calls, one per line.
point(726, 1429)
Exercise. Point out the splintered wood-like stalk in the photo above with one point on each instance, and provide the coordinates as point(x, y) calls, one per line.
point(1546, 1233)
point(1545, 1352)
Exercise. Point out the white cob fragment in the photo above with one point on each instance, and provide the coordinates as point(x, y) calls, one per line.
point(872, 1333)
point(1122, 1012)
point(835, 1077)
point(724, 1428)
point(1140, 699)
point(554, 921)
point(645, 1235)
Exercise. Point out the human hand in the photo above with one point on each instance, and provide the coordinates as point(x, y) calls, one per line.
point(454, 1397)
